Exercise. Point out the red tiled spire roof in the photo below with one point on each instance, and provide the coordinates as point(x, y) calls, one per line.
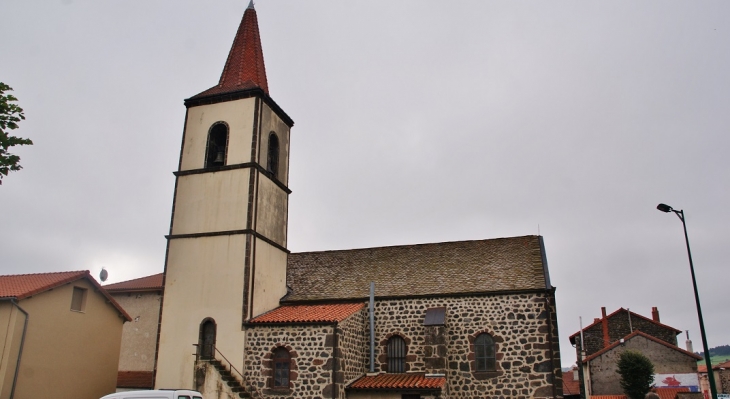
point(21, 286)
point(398, 381)
point(244, 68)
point(328, 313)
point(149, 283)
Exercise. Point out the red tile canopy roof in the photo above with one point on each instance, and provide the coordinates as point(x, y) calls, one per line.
point(149, 283)
point(328, 313)
point(135, 379)
point(21, 286)
point(398, 381)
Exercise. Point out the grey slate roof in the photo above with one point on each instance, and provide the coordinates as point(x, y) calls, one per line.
point(502, 264)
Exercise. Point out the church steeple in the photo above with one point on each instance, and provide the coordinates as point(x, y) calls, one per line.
point(244, 69)
point(227, 248)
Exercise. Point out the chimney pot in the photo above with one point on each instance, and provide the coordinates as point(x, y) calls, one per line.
point(655, 314)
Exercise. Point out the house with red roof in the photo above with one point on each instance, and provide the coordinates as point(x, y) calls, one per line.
point(721, 374)
point(60, 334)
point(600, 344)
point(141, 299)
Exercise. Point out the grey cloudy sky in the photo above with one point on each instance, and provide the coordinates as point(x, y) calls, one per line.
point(416, 121)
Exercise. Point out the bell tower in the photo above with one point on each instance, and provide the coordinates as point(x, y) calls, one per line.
point(226, 251)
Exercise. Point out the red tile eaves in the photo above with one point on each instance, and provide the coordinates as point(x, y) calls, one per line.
point(21, 286)
point(598, 321)
point(398, 381)
point(670, 393)
point(647, 336)
point(326, 313)
point(148, 283)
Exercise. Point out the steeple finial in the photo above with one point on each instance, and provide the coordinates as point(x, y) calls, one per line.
point(250, 5)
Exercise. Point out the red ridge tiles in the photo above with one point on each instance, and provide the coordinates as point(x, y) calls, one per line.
point(328, 313)
point(244, 68)
point(398, 381)
point(149, 283)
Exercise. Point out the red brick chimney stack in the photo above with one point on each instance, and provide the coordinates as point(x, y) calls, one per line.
point(604, 320)
point(655, 314)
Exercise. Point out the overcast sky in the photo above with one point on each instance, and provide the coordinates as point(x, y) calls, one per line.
point(415, 121)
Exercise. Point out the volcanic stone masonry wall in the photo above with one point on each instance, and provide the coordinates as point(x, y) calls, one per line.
point(353, 350)
point(723, 385)
point(310, 347)
point(523, 326)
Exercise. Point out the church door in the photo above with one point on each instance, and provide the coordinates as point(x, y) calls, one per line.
point(207, 338)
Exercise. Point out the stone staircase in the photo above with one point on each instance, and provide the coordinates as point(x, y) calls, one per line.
point(235, 385)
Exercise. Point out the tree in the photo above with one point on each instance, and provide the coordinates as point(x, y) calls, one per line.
point(10, 115)
point(637, 374)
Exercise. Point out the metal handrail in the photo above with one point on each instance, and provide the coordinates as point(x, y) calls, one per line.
point(215, 350)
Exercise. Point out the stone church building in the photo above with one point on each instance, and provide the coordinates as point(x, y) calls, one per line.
point(241, 316)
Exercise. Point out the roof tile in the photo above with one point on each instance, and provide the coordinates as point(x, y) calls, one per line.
point(21, 286)
point(244, 69)
point(149, 283)
point(670, 393)
point(503, 264)
point(328, 313)
point(398, 381)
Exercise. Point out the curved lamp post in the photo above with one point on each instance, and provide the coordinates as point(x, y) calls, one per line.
point(710, 374)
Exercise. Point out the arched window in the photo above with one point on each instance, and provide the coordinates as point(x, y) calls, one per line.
point(217, 145)
point(485, 353)
point(396, 355)
point(206, 339)
point(272, 161)
point(281, 360)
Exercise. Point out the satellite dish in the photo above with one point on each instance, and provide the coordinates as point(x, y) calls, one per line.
point(103, 275)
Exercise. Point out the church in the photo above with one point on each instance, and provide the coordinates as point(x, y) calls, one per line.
point(242, 317)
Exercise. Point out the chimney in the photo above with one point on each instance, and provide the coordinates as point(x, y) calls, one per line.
point(596, 320)
point(604, 320)
point(688, 342)
point(655, 314)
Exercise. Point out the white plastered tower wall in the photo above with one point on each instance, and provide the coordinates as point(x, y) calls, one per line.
point(226, 252)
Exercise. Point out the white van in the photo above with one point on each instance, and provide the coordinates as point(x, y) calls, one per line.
point(156, 394)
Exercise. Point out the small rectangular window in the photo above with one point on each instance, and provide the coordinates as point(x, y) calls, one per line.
point(78, 300)
point(435, 317)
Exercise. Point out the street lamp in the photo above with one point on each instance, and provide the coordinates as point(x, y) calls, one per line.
point(711, 378)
